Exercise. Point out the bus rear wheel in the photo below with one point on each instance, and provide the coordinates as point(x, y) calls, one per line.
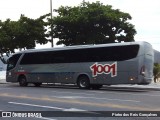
point(83, 82)
point(22, 81)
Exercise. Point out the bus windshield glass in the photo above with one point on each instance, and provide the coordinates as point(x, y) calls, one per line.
point(12, 61)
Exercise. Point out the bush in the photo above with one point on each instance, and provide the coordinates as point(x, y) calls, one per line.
point(156, 71)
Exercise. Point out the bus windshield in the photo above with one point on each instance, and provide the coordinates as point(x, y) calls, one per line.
point(12, 61)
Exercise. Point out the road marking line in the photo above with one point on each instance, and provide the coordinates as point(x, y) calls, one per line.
point(50, 107)
point(73, 93)
point(111, 105)
point(74, 109)
point(63, 109)
point(93, 91)
point(36, 105)
point(45, 118)
point(76, 97)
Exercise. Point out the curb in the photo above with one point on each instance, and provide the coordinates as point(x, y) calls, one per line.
point(119, 88)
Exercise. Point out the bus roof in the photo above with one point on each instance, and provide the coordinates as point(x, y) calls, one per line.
point(83, 46)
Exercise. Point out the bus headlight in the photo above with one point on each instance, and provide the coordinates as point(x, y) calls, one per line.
point(132, 78)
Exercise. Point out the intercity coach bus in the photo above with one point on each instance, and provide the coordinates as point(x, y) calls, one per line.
point(88, 66)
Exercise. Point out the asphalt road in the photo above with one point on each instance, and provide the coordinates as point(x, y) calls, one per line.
point(61, 102)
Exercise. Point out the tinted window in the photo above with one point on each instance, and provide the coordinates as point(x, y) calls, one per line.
point(36, 58)
point(12, 61)
point(114, 53)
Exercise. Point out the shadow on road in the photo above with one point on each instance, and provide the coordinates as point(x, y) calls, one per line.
point(104, 88)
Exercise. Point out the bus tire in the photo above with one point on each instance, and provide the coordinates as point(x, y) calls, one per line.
point(22, 81)
point(83, 82)
point(37, 84)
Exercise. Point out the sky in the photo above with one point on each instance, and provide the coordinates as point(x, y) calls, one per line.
point(145, 14)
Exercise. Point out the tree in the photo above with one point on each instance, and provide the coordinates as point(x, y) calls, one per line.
point(6, 34)
point(92, 23)
point(156, 71)
point(22, 34)
point(31, 31)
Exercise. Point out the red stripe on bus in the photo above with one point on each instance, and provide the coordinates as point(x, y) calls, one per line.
point(18, 73)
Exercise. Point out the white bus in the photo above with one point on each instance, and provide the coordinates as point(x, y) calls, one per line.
point(88, 66)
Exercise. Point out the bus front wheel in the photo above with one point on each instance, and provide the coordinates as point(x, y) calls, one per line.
point(83, 82)
point(23, 81)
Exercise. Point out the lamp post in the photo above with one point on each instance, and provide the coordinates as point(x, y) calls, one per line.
point(52, 44)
